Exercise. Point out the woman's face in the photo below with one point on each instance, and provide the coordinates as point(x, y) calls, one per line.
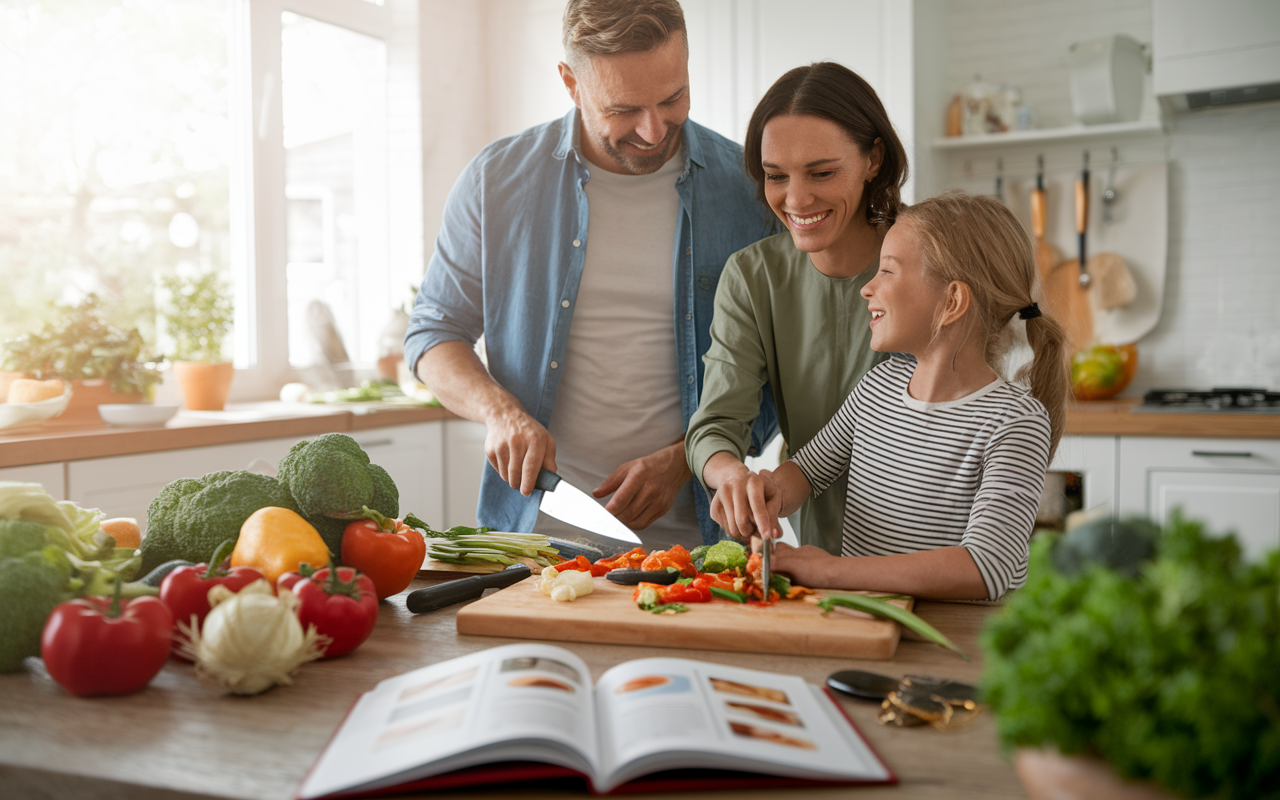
point(814, 176)
point(903, 302)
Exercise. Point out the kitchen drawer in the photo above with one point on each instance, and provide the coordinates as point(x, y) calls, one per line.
point(1232, 485)
point(50, 476)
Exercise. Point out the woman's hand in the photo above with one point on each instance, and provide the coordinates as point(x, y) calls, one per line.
point(747, 504)
point(808, 565)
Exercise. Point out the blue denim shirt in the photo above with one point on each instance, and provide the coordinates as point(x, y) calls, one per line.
point(510, 253)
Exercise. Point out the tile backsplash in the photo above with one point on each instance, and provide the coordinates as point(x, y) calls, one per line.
point(1219, 323)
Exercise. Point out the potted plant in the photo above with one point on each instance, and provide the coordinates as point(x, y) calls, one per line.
point(103, 363)
point(197, 314)
point(1142, 658)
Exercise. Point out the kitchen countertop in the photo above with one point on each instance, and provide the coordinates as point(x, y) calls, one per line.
point(1118, 418)
point(61, 439)
point(69, 440)
point(182, 740)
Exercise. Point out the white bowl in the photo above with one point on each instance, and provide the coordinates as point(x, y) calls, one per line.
point(19, 413)
point(137, 413)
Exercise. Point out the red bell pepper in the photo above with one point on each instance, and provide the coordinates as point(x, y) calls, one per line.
point(186, 590)
point(582, 564)
point(388, 551)
point(341, 603)
point(106, 646)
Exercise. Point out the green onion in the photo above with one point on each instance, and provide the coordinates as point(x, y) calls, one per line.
point(873, 605)
point(737, 597)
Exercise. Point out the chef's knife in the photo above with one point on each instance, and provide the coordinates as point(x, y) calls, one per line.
point(568, 503)
point(766, 571)
point(420, 601)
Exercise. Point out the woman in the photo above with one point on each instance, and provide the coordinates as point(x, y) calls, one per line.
point(788, 313)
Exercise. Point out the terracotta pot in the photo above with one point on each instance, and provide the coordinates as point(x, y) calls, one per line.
point(204, 385)
point(1047, 774)
point(87, 395)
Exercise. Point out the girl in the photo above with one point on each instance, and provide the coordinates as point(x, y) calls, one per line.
point(946, 460)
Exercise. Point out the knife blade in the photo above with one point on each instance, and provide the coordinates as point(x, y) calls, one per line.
point(766, 571)
point(432, 598)
point(568, 503)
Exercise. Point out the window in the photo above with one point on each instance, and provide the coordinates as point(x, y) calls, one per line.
point(273, 141)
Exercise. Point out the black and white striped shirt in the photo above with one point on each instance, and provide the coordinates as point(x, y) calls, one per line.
point(922, 476)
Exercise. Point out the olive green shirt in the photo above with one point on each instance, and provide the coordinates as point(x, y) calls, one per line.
point(780, 322)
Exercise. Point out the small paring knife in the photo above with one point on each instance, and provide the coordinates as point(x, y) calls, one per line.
point(442, 595)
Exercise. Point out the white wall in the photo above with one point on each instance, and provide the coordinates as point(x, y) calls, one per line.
point(1219, 324)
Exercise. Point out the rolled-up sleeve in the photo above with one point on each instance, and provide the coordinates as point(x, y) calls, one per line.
point(449, 305)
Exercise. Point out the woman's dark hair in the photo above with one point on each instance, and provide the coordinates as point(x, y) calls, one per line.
point(832, 91)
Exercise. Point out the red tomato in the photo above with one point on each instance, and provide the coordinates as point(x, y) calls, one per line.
point(386, 550)
point(342, 605)
point(106, 646)
point(186, 590)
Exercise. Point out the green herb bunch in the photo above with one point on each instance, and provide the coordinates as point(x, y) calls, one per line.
point(80, 344)
point(1171, 674)
point(198, 313)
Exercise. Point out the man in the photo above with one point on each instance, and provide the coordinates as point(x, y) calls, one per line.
point(586, 251)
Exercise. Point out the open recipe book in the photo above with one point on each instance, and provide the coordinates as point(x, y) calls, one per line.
point(528, 711)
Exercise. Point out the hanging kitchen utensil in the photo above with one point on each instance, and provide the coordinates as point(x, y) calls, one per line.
point(1082, 217)
point(1109, 193)
point(1000, 179)
point(1047, 256)
point(1065, 298)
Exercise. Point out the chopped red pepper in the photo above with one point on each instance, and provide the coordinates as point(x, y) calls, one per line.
point(676, 557)
point(632, 559)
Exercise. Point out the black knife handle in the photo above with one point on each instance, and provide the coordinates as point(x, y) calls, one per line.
point(442, 595)
point(547, 480)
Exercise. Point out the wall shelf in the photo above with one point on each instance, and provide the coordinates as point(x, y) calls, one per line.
point(1050, 135)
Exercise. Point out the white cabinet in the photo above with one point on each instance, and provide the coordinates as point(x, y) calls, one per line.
point(1094, 457)
point(123, 486)
point(1232, 485)
point(463, 464)
point(50, 476)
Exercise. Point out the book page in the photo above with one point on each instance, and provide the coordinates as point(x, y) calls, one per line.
point(663, 713)
point(516, 702)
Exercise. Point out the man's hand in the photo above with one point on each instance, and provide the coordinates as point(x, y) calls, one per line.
point(518, 447)
point(747, 504)
point(646, 488)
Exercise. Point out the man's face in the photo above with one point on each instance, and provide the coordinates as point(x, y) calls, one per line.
point(632, 106)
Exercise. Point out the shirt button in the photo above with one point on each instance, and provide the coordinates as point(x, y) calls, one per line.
point(690, 379)
point(564, 303)
point(688, 251)
point(555, 364)
point(577, 243)
point(688, 317)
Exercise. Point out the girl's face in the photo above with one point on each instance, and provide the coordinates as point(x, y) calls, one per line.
point(814, 176)
point(902, 301)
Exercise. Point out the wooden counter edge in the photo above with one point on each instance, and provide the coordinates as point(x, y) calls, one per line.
point(50, 443)
point(1118, 418)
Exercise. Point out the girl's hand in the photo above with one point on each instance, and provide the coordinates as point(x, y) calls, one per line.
point(808, 565)
point(747, 504)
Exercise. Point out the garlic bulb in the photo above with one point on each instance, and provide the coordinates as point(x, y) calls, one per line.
point(252, 639)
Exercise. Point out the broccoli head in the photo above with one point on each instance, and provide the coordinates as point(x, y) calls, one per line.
point(32, 582)
point(330, 476)
point(190, 517)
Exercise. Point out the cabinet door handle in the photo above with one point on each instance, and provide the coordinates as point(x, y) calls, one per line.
point(375, 443)
point(1222, 453)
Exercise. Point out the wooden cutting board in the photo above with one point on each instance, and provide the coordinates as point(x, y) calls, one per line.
point(608, 616)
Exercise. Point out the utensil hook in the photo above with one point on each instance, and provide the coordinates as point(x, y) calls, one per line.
point(1109, 191)
point(1000, 179)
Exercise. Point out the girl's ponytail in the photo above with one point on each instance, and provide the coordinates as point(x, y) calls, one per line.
point(1047, 374)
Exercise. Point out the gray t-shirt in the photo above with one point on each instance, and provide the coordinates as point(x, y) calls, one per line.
point(619, 398)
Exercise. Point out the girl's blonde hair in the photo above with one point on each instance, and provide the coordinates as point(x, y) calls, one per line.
point(976, 240)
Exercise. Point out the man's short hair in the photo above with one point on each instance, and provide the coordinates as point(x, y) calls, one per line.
point(611, 27)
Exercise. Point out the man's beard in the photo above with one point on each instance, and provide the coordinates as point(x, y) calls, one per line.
point(641, 165)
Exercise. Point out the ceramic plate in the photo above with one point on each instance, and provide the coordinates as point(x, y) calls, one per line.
point(137, 413)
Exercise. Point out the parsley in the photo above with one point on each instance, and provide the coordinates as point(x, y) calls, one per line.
point(1170, 675)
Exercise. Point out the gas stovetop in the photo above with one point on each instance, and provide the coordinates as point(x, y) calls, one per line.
point(1213, 401)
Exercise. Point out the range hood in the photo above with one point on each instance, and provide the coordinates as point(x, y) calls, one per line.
point(1208, 54)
